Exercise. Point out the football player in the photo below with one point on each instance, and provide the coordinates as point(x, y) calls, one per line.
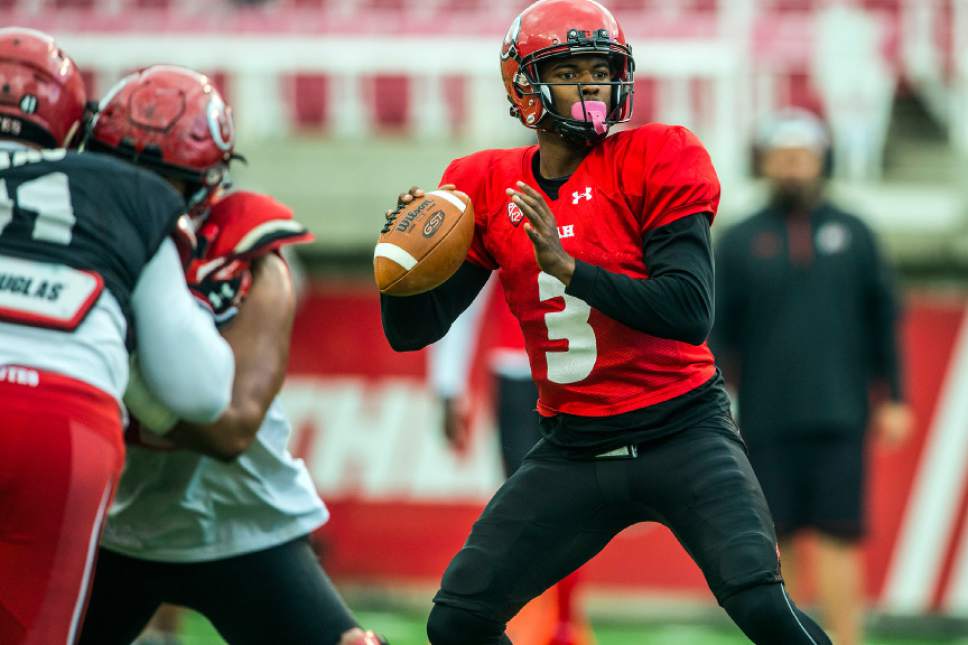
point(556, 617)
point(603, 249)
point(222, 528)
point(88, 274)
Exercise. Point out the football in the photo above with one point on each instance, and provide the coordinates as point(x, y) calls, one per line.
point(425, 244)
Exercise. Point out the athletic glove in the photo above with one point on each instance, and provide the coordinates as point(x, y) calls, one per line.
point(239, 227)
point(220, 284)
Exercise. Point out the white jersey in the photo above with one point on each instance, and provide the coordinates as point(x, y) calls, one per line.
point(200, 373)
point(181, 506)
point(94, 353)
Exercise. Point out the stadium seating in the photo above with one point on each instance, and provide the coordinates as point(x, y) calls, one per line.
point(779, 40)
point(332, 67)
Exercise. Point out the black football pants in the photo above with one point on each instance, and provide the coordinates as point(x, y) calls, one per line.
point(279, 595)
point(517, 421)
point(558, 510)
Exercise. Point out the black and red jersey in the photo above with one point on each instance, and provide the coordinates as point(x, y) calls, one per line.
point(100, 217)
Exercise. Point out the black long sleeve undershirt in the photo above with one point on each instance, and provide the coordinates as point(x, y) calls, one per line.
point(675, 302)
point(413, 322)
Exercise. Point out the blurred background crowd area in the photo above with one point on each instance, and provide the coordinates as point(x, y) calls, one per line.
point(341, 103)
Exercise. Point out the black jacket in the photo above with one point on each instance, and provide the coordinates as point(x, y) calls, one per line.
point(805, 322)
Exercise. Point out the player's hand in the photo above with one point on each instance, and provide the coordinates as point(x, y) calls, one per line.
point(137, 435)
point(893, 422)
point(455, 422)
point(222, 288)
point(542, 228)
point(403, 199)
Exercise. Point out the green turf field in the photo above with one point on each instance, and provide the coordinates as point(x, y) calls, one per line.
point(408, 629)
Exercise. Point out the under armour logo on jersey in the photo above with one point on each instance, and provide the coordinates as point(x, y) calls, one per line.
point(221, 294)
point(577, 196)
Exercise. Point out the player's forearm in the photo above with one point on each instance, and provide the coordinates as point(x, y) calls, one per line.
point(183, 359)
point(676, 302)
point(883, 312)
point(880, 324)
point(676, 306)
point(225, 439)
point(413, 322)
point(259, 337)
point(238, 426)
point(887, 361)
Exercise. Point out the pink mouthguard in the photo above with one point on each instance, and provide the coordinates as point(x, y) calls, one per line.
point(593, 111)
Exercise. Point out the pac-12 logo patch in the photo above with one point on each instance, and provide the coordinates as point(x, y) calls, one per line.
point(514, 213)
point(833, 238)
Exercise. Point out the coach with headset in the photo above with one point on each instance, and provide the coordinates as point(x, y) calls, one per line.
point(806, 331)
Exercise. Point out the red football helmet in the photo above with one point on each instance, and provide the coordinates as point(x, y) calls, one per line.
point(172, 120)
point(42, 94)
point(558, 28)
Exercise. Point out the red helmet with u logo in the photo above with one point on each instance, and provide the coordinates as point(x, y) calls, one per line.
point(42, 93)
point(554, 29)
point(172, 120)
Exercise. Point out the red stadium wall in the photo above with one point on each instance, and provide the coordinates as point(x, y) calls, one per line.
point(402, 502)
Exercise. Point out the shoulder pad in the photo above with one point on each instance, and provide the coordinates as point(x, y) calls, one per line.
point(246, 225)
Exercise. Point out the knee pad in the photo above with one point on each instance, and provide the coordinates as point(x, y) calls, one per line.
point(752, 561)
point(768, 617)
point(449, 625)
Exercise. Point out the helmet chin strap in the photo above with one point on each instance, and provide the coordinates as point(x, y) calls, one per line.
point(583, 137)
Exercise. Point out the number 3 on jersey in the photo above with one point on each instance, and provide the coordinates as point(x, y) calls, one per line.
point(575, 363)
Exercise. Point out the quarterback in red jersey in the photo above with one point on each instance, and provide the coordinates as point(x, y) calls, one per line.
point(603, 248)
point(585, 362)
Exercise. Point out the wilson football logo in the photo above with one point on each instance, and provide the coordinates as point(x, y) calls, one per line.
point(514, 213)
point(407, 222)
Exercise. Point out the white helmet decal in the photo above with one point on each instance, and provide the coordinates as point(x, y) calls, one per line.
point(217, 117)
point(511, 38)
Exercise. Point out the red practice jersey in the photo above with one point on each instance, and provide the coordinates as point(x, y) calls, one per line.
point(584, 362)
